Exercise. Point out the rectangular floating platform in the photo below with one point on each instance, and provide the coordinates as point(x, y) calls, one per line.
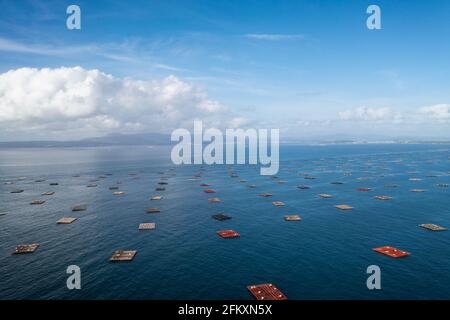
point(266, 291)
point(265, 195)
point(209, 191)
point(123, 255)
point(325, 195)
point(214, 200)
point(228, 234)
point(221, 217)
point(153, 210)
point(391, 252)
point(278, 203)
point(292, 218)
point(417, 190)
point(383, 197)
point(442, 185)
point(343, 207)
point(147, 226)
point(66, 220)
point(80, 207)
point(156, 198)
point(37, 202)
point(48, 193)
point(432, 227)
point(26, 248)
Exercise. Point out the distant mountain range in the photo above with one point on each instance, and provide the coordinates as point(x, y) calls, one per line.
point(164, 139)
point(109, 140)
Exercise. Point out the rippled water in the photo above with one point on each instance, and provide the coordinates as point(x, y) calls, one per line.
point(324, 256)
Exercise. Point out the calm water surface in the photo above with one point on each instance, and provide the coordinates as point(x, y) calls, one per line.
point(324, 256)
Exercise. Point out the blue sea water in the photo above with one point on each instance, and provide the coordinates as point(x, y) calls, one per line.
point(323, 256)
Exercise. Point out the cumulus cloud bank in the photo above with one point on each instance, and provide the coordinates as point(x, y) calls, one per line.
point(440, 112)
point(90, 102)
point(367, 114)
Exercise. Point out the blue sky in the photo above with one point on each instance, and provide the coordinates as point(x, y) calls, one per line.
point(311, 68)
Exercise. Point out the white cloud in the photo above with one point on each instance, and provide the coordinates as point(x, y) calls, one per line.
point(440, 112)
point(368, 114)
point(274, 37)
point(90, 102)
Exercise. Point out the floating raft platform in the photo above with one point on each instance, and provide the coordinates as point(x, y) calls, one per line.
point(265, 195)
point(442, 185)
point(343, 207)
point(383, 197)
point(147, 226)
point(417, 190)
point(209, 191)
point(391, 252)
point(292, 218)
point(214, 200)
point(66, 220)
point(80, 207)
point(325, 195)
point(153, 210)
point(278, 203)
point(26, 248)
point(228, 234)
point(48, 193)
point(266, 291)
point(123, 255)
point(37, 202)
point(432, 227)
point(221, 217)
point(156, 198)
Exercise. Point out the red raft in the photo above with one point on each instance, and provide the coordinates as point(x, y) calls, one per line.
point(209, 191)
point(228, 234)
point(392, 252)
point(266, 291)
point(363, 189)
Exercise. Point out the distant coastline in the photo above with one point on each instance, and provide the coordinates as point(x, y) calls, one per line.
point(155, 139)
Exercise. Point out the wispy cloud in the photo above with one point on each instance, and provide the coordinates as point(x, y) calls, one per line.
point(274, 37)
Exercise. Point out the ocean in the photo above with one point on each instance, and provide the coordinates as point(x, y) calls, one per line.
point(323, 256)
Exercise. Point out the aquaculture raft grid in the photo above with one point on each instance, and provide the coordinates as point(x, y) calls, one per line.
point(266, 291)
